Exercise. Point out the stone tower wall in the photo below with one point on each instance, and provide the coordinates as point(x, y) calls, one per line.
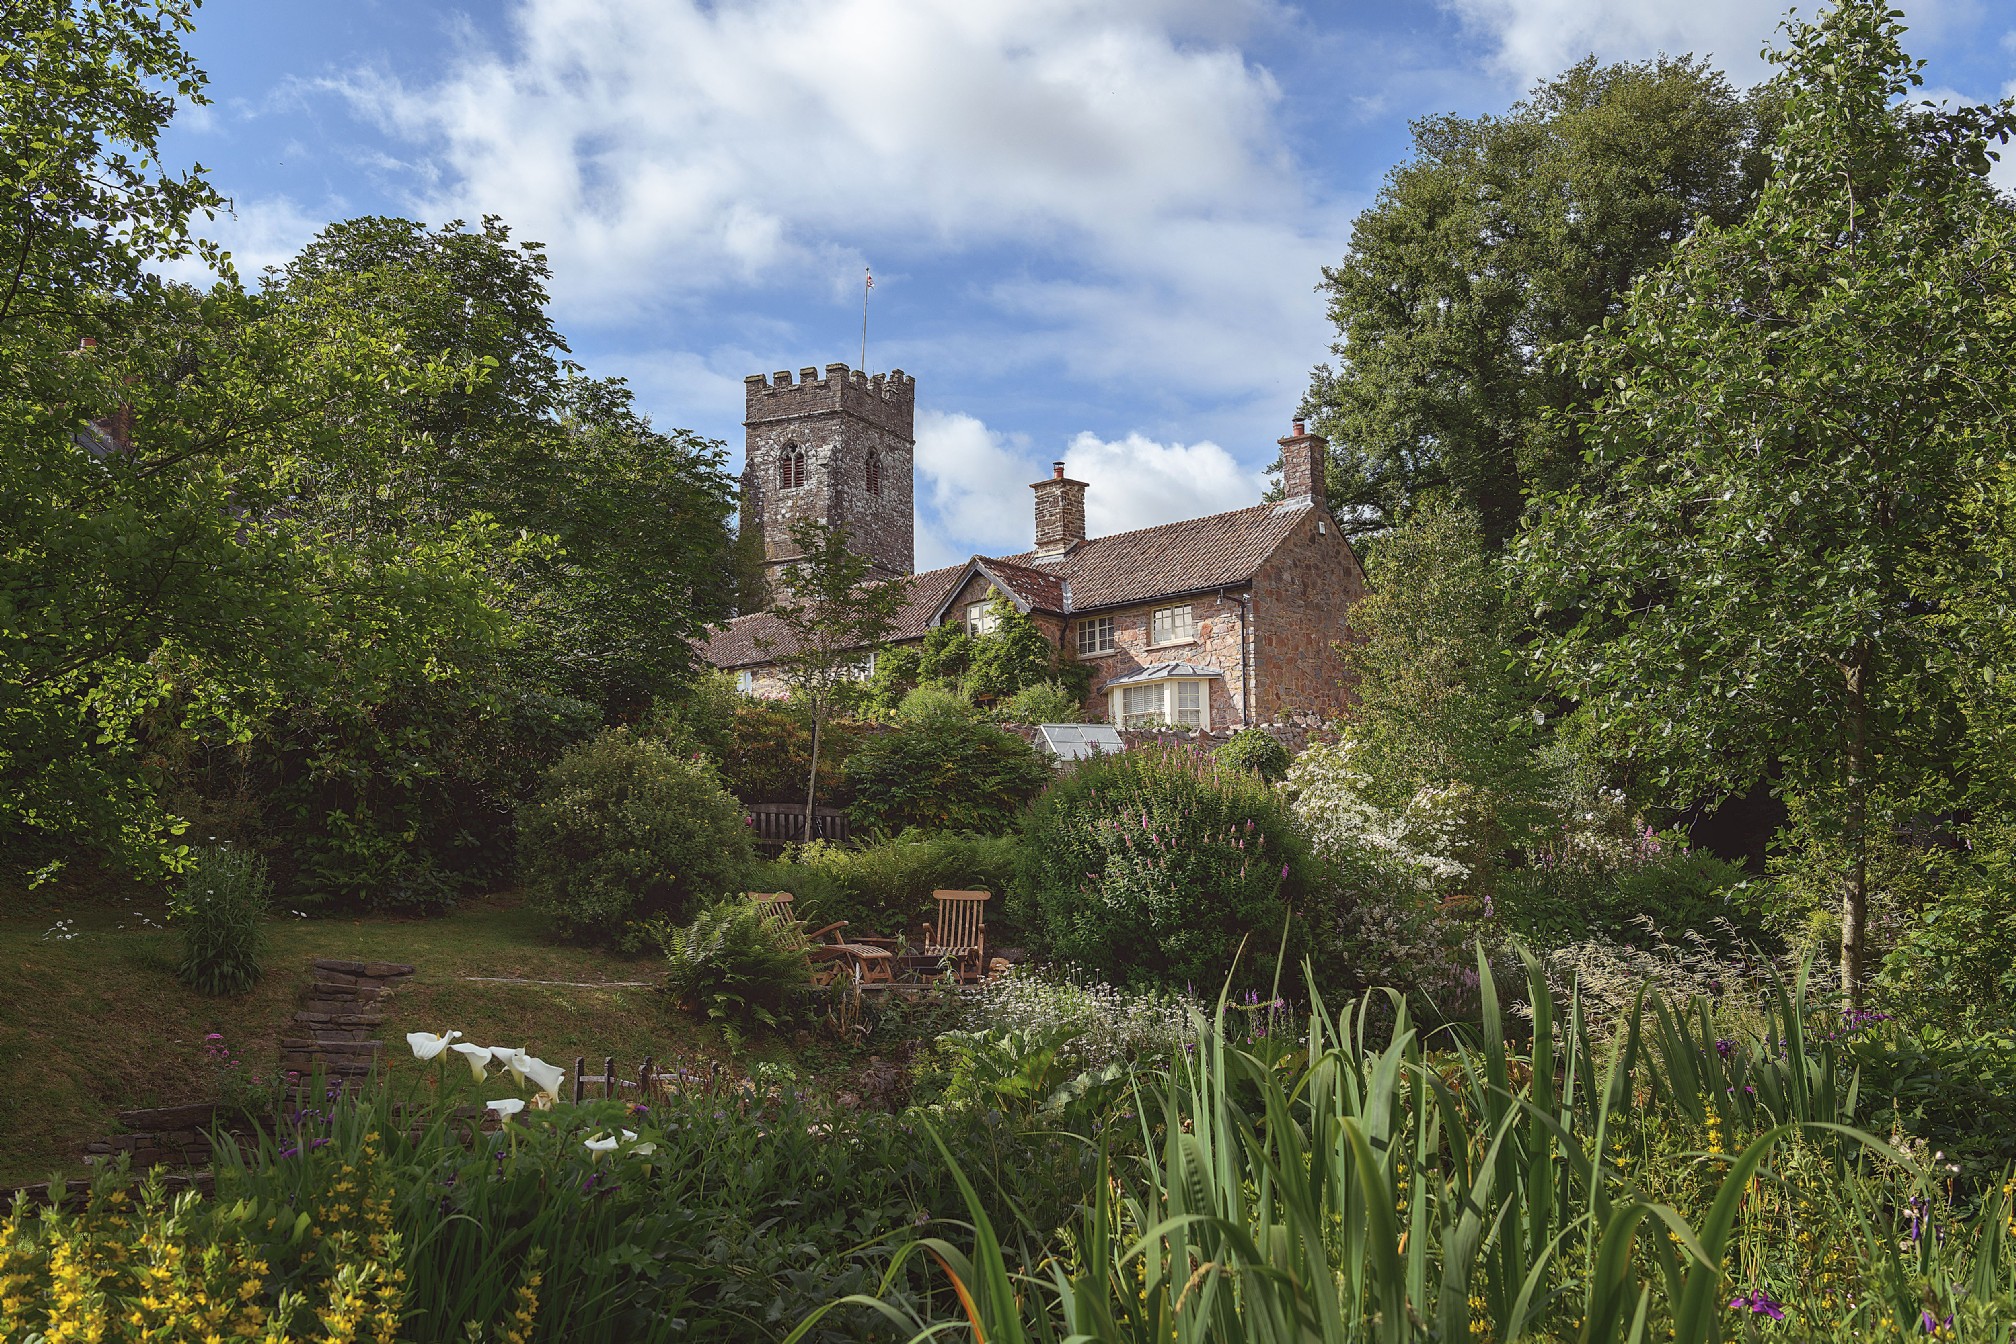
point(837, 420)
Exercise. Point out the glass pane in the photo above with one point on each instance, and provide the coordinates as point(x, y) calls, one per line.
point(1190, 703)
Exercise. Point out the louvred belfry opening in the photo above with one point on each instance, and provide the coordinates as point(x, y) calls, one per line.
point(791, 469)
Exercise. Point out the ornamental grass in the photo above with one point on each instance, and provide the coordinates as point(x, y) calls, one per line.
point(1667, 1182)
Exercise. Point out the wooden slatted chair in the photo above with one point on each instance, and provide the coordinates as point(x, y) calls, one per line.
point(959, 935)
point(826, 948)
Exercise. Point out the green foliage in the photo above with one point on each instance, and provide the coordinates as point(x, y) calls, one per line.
point(734, 965)
point(1740, 594)
point(885, 887)
point(638, 518)
point(1152, 867)
point(402, 803)
point(990, 669)
point(1501, 236)
point(1441, 699)
point(733, 1214)
point(1678, 890)
point(1954, 959)
point(943, 768)
point(1669, 1184)
point(1049, 701)
point(220, 908)
point(1257, 750)
point(624, 829)
point(771, 752)
point(700, 716)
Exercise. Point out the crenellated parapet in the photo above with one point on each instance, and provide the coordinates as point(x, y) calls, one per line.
point(887, 401)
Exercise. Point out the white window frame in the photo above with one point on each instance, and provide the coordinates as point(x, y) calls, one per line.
point(1095, 635)
point(981, 618)
point(1179, 627)
point(745, 682)
point(1161, 703)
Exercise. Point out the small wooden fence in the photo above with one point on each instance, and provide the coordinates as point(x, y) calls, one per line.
point(778, 824)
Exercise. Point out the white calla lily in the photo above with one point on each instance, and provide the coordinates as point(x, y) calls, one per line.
point(546, 1077)
point(478, 1057)
point(644, 1150)
point(629, 1136)
point(600, 1144)
point(426, 1045)
point(506, 1107)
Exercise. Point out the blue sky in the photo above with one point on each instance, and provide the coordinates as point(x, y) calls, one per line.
point(1096, 225)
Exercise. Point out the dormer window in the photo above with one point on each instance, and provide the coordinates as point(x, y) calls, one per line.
point(791, 468)
point(874, 473)
point(982, 618)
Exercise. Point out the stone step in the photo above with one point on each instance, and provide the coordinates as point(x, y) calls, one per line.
point(320, 1018)
point(377, 970)
point(297, 1045)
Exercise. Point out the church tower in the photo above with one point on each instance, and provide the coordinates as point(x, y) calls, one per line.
point(839, 449)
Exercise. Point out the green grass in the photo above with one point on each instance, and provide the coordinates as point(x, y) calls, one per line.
point(97, 1023)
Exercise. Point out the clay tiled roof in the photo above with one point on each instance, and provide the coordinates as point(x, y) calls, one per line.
point(1042, 589)
point(743, 642)
point(1220, 550)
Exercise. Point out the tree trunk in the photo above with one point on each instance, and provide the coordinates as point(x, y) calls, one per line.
point(812, 780)
point(1855, 881)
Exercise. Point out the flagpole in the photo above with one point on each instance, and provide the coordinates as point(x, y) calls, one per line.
point(867, 283)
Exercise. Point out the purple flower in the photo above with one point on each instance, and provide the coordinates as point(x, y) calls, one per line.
point(1760, 1303)
point(1931, 1325)
point(1725, 1047)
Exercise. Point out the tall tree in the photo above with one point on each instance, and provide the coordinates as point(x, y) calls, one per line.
point(1500, 237)
point(159, 443)
point(642, 557)
point(1789, 414)
point(833, 620)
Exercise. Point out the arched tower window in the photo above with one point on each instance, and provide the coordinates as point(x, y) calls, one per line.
point(874, 473)
point(791, 468)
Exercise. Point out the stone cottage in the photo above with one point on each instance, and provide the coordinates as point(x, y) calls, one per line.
point(1211, 622)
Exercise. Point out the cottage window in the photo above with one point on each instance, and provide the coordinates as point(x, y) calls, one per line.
point(874, 473)
point(1095, 634)
point(745, 682)
point(981, 618)
point(1172, 625)
point(791, 469)
point(1182, 703)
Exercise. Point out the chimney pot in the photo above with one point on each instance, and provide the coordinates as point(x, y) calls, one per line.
point(1298, 427)
point(1057, 471)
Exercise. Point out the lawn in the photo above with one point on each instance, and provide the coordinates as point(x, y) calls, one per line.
point(95, 1022)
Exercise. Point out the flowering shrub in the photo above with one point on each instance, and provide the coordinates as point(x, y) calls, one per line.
point(1153, 867)
point(219, 910)
point(1098, 1024)
point(625, 828)
point(1332, 798)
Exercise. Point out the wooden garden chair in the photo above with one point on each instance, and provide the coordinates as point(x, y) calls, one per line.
point(826, 948)
point(959, 935)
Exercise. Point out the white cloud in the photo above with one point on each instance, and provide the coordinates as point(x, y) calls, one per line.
point(972, 489)
point(258, 234)
point(1137, 482)
point(687, 147)
point(1535, 39)
point(973, 485)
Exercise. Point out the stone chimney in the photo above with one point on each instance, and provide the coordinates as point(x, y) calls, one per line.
point(1060, 514)
point(1303, 458)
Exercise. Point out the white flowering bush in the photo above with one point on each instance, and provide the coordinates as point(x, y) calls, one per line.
point(1331, 795)
point(1095, 1024)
